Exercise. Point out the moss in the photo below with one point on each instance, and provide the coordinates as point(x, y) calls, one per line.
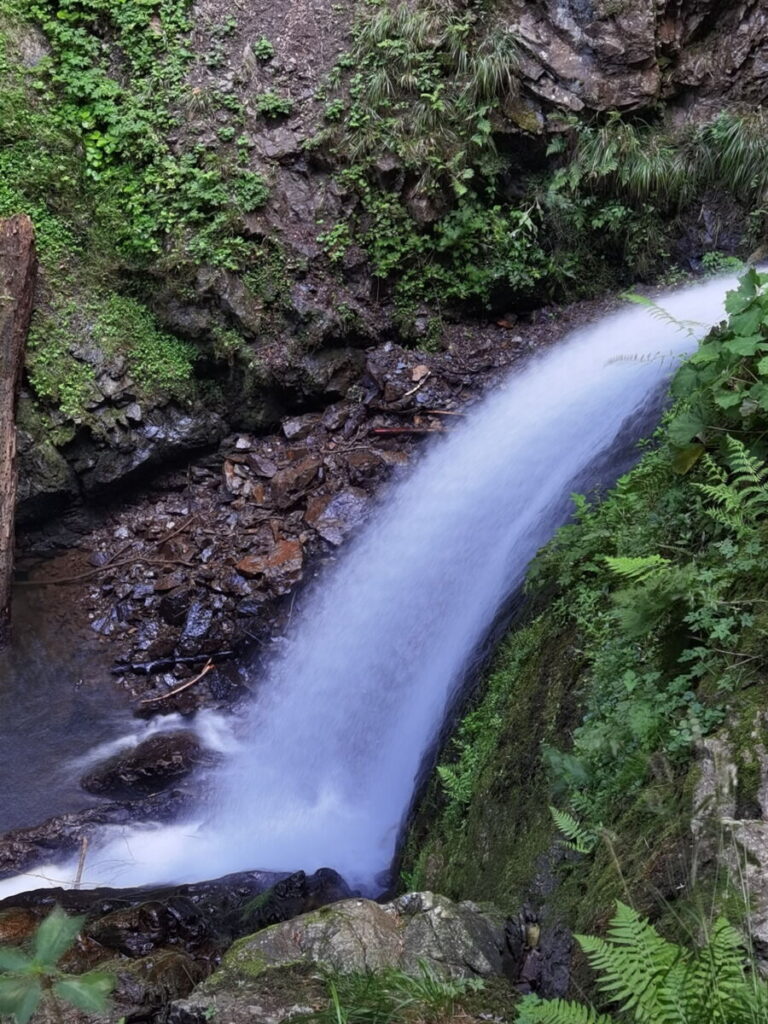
point(482, 839)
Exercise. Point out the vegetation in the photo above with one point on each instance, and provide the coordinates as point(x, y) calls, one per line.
point(27, 981)
point(656, 981)
point(652, 635)
point(395, 997)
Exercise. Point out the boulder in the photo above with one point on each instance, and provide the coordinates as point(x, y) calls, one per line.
point(147, 768)
point(276, 974)
point(454, 939)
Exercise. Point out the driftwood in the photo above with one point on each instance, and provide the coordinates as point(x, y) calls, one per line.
point(149, 668)
point(18, 270)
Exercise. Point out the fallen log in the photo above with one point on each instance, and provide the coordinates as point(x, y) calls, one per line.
point(18, 270)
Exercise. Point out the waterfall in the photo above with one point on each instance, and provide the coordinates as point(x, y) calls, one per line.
point(325, 767)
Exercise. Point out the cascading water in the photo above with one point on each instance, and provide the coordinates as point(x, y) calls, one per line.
point(325, 770)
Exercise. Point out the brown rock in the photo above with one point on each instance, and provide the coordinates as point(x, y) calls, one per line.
point(292, 482)
point(281, 567)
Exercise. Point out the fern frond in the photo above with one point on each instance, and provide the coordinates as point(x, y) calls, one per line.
point(658, 312)
point(578, 838)
point(633, 964)
point(637, 569)
point(534, 1010)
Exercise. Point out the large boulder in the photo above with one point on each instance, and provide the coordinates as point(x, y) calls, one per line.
point(273, 974)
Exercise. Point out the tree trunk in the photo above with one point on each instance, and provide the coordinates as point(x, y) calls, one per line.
point(18, 268)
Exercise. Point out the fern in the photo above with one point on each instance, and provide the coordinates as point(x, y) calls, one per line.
point(659, 982)
point(577, 837)
point(691, 327)
point(637, 569)
point(534, 1010)
point(737, 500)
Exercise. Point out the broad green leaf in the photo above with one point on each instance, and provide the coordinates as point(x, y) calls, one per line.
point(19, 996)
point(685, 459)
point(55, 935)
point(739, 299)
point(684, 427)
point(744, 346)
point(759, 394)
point(87, 992)
point(748, 322)
point(727, 399)
point(706, 354)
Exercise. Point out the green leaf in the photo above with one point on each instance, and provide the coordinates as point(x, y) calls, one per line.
point(19, 996)
point(55, 935)
point(87, 992)
point(748, 322)
point(740, 298)
point(686, 458)
point(686, 426)
point(727, 399)
point(744, 346)
point(12, 959)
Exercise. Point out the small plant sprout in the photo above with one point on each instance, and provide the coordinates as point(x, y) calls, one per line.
point(27, 980)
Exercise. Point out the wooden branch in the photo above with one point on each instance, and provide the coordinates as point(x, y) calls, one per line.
point(107, 567)
point(18, 272)
point(406, 430)
point(178, 689)
point(148, 668)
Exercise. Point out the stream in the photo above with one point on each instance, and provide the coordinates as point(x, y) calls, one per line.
point(322, 770)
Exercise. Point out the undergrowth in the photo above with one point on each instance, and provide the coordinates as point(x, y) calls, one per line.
point(665, 579)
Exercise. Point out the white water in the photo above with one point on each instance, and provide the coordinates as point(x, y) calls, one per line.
point(325, 773)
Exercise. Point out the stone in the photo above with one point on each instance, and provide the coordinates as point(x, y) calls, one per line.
point(454, 939)
point(290, 484)
point(296, 428)
point(281, 567)
point(147, 768)
point(343, 513)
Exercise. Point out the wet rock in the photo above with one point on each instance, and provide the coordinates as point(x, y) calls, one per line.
point(196, 627)
point(137, 931)
point(25, 848)
point(281, 568)
point(173, 607)
point(290, 484)
point(296, 428)
point(152, 981)
point(343, 513)
point(262, 466)
point(147, 768)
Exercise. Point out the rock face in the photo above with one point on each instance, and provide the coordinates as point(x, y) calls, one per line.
point(723, 833)
point(454, 939)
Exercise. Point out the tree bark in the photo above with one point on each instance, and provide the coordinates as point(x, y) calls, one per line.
point(18, 270)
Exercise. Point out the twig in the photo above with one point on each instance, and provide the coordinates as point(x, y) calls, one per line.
point(104, 568)
point(407, 430)
point(423, 381)
point(81, 863)
point(169, 536)
point(178, 689)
